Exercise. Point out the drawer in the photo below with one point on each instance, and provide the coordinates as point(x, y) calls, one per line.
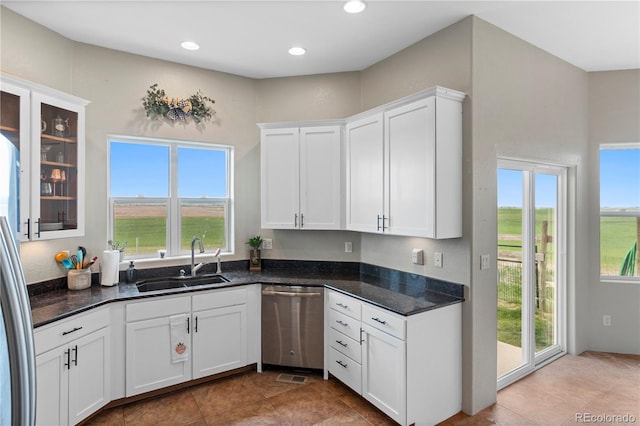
point(344, 324)
point(346, 370)
point(158, 307)
point(220, 299)
point(345, 304)
point(345, 345)
point(383, 320)
point(64, 331)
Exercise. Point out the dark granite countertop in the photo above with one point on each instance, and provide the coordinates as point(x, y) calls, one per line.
point(399, 292)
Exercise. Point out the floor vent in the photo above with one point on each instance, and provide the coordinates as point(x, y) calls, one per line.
point(290, 378)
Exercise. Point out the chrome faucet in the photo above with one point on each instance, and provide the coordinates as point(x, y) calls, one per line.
point(194, 267)
point(217, 256)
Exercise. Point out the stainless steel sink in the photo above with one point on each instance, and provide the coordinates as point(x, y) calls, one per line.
point(167, 283)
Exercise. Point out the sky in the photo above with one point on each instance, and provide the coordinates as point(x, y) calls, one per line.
point(619, 183)
point(143, 170)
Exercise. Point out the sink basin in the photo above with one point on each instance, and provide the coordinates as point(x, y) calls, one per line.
point(167, 283)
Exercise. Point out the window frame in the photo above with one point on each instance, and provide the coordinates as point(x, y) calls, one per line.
point(172, 200)
point(622, 212)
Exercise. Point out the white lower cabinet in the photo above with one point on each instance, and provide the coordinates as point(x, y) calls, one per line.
point(408, 367)
point(212, 327)
point(72, 368)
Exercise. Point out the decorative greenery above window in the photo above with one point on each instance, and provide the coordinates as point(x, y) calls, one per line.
point(158, 105)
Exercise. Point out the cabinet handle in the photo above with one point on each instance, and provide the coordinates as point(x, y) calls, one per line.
point(196, 325)
point(342, 364)
point(187, 325)
point(342, 323)
point(341, 343)
point(301, 220)
point(64, 333)
point(343, 306)
point(379, 320)
point(295, 220)
point(38, 231)
point(68, 363)
point(383, 226)
point(378, 223)
point(28, 223)
point(75, 355)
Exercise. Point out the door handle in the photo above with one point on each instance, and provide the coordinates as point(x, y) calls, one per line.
point(196, 325)
point(68, 355)
point(28, 223)
point(187, 325)
point(75, 355)
point(38, 231)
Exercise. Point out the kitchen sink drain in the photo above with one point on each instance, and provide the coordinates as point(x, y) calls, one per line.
point(291, 378)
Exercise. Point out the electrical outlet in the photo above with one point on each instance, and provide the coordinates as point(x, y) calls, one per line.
point(348, 247)
point(606, 320)
point(267, 244)
point(485, 259)
point(417, 256)
point(437, 259)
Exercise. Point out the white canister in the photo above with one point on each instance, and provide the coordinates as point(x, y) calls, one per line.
point(79, 279)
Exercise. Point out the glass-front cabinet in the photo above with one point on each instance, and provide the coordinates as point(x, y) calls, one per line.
point(47, 127)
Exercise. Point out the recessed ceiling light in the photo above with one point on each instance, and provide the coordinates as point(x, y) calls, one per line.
point(297, 51)
point(354, 6)
point(190, 45)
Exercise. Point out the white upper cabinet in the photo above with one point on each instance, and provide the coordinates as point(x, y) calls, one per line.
point(301, 176)
point(404, 167)
point(365, 174)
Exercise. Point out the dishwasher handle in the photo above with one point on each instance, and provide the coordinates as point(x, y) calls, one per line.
point(290, 293)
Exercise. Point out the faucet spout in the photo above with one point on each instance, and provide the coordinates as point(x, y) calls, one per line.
point(216, 254)
point(194, 267)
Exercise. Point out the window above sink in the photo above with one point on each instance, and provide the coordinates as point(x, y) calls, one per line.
point(162, 193)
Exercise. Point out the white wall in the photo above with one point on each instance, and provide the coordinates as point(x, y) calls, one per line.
point(614, 116)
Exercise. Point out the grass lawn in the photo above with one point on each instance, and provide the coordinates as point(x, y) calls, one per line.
point(617, 235)
point(146, 235)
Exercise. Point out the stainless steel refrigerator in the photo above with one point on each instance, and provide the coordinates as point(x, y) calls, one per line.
point(17, 353)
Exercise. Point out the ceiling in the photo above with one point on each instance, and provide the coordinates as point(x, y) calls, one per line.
point(251, 38)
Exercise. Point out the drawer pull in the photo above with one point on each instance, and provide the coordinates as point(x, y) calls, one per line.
point(64, 333)
point(342, 323)
point(341, 343)
point(342, 305)
point(342, 364)
point(379, 320)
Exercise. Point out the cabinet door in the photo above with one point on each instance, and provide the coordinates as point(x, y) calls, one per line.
point(384, 372)
point(320, 183)
point(219, 340)
point(52, 387)
point(410, 168)
point(364, 174)
point(148, 359)
point(14, 125)
point(57, 162)
point(89, 375)
point(280, 203)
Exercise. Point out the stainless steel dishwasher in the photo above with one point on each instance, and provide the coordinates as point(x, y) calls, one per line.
point(293, 326)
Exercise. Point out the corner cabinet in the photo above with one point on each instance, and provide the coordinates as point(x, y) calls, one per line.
point(47, 127)
point(409, 367)
point(404, 166)
point(301, 182)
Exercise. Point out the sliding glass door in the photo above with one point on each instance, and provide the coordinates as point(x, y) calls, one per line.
point(531, 266)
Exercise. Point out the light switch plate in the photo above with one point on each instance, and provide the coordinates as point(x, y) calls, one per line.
point(267, 244)
point(437, 259)
point(485, 259)
point(348, 247)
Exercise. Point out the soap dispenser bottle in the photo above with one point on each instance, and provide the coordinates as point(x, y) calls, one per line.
point(131, 273)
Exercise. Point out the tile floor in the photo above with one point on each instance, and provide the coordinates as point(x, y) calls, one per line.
point(592, 384)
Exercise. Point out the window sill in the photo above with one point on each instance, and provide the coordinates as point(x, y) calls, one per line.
point(620, 280)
